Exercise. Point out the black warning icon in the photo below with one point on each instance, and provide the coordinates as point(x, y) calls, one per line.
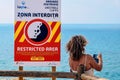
point(37, 32)
point(40, 32)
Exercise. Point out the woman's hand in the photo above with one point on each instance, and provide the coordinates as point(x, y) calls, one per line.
point(99, 56)
point(100, 59)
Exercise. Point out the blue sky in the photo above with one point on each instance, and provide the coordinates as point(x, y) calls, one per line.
point(75, 11)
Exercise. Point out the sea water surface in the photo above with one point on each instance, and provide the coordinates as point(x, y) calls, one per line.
point(103, 39)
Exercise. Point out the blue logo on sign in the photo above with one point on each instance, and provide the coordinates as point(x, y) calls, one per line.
point(22, 5)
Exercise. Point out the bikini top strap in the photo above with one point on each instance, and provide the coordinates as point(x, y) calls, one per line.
point(85, 61)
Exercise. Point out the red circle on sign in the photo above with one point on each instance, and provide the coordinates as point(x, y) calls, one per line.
point(37, 32)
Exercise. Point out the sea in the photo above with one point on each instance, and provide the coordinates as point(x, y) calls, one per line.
point(102, 38)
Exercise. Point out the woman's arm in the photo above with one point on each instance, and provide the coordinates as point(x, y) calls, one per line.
point(94, 64)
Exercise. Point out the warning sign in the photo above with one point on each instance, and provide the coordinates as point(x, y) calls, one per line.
point(37, 32)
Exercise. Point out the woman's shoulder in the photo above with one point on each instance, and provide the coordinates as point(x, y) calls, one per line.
point(88, 56)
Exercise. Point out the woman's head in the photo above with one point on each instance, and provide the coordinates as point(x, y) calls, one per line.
point(76, 46)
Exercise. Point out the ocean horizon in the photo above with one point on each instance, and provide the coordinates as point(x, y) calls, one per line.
point(102, 38)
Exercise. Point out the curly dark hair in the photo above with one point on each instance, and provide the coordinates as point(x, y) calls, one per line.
point(76, 46)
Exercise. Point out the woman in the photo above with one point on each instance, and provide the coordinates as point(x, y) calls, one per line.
point(76, 49)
